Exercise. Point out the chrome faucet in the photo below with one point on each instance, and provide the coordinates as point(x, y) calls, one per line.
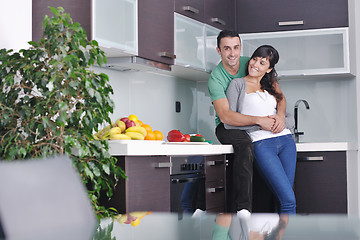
point(296, 131)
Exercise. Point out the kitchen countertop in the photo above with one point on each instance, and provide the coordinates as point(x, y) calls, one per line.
point(161, 148)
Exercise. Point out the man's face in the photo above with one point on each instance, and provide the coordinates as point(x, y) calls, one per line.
point(229, 51)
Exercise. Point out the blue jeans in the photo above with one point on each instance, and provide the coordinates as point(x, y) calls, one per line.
point(275, 159)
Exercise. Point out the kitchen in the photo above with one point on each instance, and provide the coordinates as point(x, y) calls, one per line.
point(152, 95)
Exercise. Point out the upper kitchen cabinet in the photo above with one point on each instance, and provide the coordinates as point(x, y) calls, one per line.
point(219, 14)
point(195, 48)
point(156, 30)
point(284, 15)
point(302, 53)
point(142, 28)
point(80, 11)
point(115, 26)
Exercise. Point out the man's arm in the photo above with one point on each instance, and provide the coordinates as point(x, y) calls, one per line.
point(237, 119)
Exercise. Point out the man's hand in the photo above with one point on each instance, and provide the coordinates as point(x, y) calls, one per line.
point(266, 123)
point(279, 123)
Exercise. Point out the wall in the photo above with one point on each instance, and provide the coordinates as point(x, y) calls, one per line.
point(15, 24)
point(151, 97)
point(332, 113)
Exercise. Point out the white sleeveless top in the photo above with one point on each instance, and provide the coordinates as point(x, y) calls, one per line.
point(261, 104)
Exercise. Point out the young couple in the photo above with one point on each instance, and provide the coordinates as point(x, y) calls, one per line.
point(250, 115)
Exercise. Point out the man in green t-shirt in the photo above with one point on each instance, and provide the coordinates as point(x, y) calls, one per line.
point(240, 169)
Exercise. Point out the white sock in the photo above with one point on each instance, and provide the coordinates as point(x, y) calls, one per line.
point(243, 213)
point(198, 213)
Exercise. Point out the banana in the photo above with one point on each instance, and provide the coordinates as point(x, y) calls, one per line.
point(114, 130)
point(120, 137)
point(135, 135)
point(140, 130)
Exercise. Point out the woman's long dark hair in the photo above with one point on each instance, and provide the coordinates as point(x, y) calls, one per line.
point(269, 79)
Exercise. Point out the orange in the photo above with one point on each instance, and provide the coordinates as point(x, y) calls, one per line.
point(150, 136)
point(147, 127)
point(158, 135)
point(140, 122)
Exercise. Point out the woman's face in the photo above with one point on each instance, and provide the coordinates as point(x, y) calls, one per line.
point(259, 66)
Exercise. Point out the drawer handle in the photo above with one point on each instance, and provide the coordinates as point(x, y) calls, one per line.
point(318, 158)
point(291, 23)
point(163, 165)
point(219, 21)
point(215, 189)
point(191, 9)
point(167, 55)
point(215, 163)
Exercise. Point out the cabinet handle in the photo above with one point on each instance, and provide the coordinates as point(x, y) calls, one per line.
point(186, 180)
point(219, 21)
point(318, 158)
point(215, 189)
point(191, 9)
point(215, 163)
point(163, 165)
point(291, 23)
point(167, 55)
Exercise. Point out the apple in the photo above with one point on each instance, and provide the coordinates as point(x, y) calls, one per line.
point(124, 119)
point(130, 123)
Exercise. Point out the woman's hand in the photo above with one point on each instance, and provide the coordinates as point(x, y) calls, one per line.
point(266, 123)
point(279, 123)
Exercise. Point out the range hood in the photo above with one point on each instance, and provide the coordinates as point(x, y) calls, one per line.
point(133, 63)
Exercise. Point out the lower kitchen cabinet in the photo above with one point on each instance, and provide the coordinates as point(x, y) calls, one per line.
point(215, 183)
point(320, 182)
point(147, 187)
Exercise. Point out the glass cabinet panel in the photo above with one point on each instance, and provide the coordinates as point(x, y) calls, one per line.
point(212, 58)
point(189, 42)
point(115, 26)
point(306, 52)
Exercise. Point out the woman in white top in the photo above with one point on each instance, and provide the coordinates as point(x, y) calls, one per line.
point(257, 94)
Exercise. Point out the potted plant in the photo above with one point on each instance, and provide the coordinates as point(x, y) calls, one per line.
point(52, 103)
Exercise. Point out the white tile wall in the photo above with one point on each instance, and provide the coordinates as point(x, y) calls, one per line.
point(151, 97)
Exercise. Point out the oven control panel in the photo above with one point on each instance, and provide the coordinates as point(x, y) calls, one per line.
point(187, 164)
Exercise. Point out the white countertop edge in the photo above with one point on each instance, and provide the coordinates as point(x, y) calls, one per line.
point(117, 149)
point(325, 146)
point(167, 150)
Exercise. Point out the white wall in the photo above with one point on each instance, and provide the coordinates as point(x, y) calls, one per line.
point(15, 24)
point(151, 97)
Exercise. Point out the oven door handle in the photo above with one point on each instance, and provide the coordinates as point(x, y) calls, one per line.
point(185, 180)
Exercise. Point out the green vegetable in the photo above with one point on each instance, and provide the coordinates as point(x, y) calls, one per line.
point(197, 139)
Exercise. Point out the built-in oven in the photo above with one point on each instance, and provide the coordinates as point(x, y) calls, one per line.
point(187, 191)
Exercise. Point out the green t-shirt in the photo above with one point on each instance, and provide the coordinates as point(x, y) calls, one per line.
point(220, 79)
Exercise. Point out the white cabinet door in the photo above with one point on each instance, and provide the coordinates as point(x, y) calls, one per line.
point(211, 55)
point(305, 52)
point(115, 26)
point(189, 42)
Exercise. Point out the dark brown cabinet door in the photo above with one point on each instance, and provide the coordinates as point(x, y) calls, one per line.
point(147, 187)
point(283, 15)
point(156, 30)
point(80, 11)
point(191, 8)
point(220, 14)
point(215, 183)
point(320, 182)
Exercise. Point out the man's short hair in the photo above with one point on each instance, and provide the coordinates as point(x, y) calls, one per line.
point(226, 33)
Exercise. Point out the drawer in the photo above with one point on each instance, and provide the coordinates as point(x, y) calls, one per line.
point(215, 168)
point(215, 195)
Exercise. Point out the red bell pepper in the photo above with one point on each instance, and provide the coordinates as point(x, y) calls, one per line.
point(175, 136)
point(187, 138)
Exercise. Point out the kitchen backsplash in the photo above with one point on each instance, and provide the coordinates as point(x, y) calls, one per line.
point(152, 96)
